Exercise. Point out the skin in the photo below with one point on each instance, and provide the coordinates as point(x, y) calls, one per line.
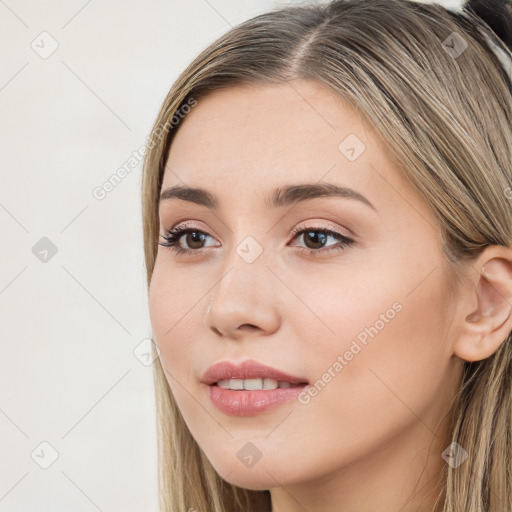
point(372, 438)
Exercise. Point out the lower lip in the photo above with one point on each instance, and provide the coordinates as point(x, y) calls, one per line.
point(249, 403)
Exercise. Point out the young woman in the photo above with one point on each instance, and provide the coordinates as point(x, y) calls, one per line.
point(327, 201)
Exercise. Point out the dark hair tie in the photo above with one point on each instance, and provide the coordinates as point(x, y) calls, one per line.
point(497, 14)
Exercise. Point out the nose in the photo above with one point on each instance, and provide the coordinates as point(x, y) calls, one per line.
point(245, 299)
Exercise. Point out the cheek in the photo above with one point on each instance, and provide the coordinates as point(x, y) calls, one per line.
point(380, 364)
point(173, 304)
point(173, 307)
point(375, 312)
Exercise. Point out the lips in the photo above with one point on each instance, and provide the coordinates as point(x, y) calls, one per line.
point(226, 370)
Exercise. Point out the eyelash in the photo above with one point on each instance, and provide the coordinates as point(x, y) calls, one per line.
point(173, 236)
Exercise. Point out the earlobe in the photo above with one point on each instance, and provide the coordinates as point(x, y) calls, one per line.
point(486, 326)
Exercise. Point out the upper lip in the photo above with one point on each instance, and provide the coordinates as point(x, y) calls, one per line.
point(249, 369)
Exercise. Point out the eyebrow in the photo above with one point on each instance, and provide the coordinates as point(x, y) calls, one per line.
point(282, 196)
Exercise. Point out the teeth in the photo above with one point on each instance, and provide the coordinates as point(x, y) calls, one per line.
point(253, 384)
point(268, 383)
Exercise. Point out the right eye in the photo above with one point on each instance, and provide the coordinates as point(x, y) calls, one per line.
point(193, 237)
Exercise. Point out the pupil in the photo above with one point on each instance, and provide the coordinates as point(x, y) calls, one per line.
point(194, 235)
point(312, 235)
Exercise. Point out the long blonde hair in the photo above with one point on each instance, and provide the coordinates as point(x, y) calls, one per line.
point(446, 118)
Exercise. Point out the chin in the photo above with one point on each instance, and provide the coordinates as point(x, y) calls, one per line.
point(260, 481)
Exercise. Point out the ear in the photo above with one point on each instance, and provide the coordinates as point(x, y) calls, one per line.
point(486, 305)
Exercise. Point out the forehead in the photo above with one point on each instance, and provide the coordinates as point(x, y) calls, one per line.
point(247, 140)
point(270, 124)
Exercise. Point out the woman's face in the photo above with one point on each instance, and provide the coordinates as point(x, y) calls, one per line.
point(367, 323)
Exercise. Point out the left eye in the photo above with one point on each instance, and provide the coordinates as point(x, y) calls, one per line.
point(315, 239)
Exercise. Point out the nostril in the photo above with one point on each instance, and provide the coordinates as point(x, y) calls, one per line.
point(249, 326)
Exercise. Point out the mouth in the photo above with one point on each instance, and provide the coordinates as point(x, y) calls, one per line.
point(256, 384)
point(249, 375)
point(249, 388)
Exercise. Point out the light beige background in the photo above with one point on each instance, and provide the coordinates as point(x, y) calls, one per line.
point(80, 86)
